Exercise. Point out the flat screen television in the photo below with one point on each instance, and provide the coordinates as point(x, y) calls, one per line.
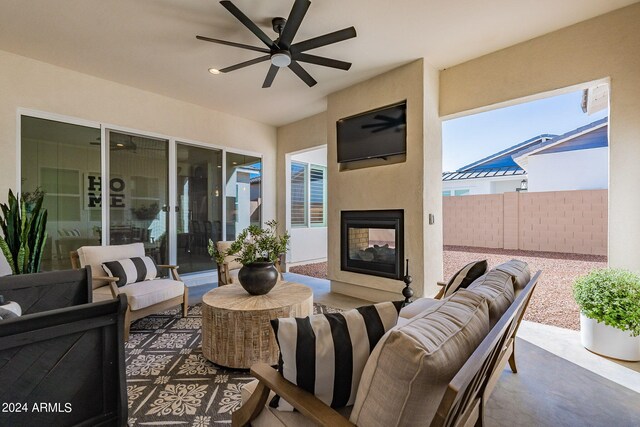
point(375, 134)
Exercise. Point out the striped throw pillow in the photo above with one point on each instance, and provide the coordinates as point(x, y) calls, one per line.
point(325, 354)
point(465, 276)
point(131, 270)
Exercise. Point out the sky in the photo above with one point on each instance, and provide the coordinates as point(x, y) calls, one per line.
point(470, 138)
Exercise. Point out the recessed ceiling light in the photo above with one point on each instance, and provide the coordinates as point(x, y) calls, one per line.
point(235, 163)
point(119, 145)
point(214, 71)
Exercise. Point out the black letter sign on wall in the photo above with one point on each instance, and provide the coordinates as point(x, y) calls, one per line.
point(93, 195)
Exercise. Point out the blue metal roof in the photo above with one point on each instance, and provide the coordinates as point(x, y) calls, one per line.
point(503, 158)
point(514, 170)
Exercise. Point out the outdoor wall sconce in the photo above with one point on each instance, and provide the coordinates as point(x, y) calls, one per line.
point(523, 185)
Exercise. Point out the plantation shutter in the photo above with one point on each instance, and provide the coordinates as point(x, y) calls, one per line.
point(318, 199)
point(298, 195)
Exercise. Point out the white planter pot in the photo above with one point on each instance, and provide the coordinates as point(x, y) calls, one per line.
point(609, 341)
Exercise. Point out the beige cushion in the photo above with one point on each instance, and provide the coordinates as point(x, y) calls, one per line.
point(144, 294)
point(230, 260)
point(417, 307)
point(233, 276)
point(96, 255)
point(520, 272)
point(272, 417)
point(410, 368)
point(497, 287)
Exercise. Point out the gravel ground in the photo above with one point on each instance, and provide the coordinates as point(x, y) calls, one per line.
point(552, 302)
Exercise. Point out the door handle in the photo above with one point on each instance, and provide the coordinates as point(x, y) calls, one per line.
point(165, 208)
point(177, 208)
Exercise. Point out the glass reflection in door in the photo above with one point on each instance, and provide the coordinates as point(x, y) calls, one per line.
point(62, 161)
point(243, 193)
point(138, 193)
point(199, 218)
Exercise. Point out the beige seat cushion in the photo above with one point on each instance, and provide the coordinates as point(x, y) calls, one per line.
point(144, 294)
point(410, 368)
point(497, 287)
point(417, 307)
point(233, 276)
point(520, 272)
point(96, 255)
point(230, 260)
point(272, 417)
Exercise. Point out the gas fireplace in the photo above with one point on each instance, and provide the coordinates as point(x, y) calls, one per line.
point(372, 242)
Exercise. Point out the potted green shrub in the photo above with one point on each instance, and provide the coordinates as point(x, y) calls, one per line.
point(609, 301)
point(24, 233)
point(257, 250)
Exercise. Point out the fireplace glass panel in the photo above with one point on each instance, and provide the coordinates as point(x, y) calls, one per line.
point(372, 245)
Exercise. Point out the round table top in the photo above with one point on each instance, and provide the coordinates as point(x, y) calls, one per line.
point(233, 297)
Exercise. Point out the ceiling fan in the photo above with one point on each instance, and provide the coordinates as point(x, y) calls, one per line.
point(385, 123)
point(282, 52)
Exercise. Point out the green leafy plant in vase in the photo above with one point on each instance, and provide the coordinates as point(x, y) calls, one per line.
point(258, 250)
point(609, 301)
point(24, 233)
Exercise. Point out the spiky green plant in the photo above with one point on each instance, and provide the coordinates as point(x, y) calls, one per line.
point(24, 234)
point(254, 244)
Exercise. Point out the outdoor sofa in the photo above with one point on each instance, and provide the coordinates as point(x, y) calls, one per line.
point(437, 367)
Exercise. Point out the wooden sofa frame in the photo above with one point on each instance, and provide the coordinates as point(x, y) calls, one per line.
point(64, 350)
point(133, 315)
point(462, 404)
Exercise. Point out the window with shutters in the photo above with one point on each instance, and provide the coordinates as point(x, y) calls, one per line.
point(298, 194)
point(308, 195)
point(318, 196)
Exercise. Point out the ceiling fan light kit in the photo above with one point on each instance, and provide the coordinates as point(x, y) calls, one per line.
point(282, 52)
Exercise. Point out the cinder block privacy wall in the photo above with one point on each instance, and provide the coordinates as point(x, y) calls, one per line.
point(556, 221)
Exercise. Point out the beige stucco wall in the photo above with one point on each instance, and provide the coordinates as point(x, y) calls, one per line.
point(32, 84)
point(298, 136)
point(606, 47)
point(395, 186)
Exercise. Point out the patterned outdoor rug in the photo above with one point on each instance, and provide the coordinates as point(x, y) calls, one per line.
point(169, 382)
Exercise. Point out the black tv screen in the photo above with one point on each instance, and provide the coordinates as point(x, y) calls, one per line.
point(375, 134)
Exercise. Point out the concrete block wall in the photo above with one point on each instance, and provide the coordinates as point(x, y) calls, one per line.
point(474, 220)
point(558, 221)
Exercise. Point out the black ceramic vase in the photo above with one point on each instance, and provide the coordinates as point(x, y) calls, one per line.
point(259, 277)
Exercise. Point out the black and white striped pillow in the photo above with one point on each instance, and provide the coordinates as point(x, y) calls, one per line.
point(325, 354)
point(465, 276)
point(131, 270)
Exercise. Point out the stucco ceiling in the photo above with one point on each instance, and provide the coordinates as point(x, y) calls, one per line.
point(151, 44)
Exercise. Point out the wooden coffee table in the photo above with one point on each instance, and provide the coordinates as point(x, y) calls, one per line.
point(236, 331)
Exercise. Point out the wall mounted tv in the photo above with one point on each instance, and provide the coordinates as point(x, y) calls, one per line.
point(379, 133)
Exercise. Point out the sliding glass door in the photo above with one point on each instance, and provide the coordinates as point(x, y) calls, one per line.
point(199, 200)
point(57, 158)
point(139, 192)
point(169, 195)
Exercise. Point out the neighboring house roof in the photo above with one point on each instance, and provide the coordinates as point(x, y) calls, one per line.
point(593, 135)
point(512, 161)
point(496, 165)
point(484, 173)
